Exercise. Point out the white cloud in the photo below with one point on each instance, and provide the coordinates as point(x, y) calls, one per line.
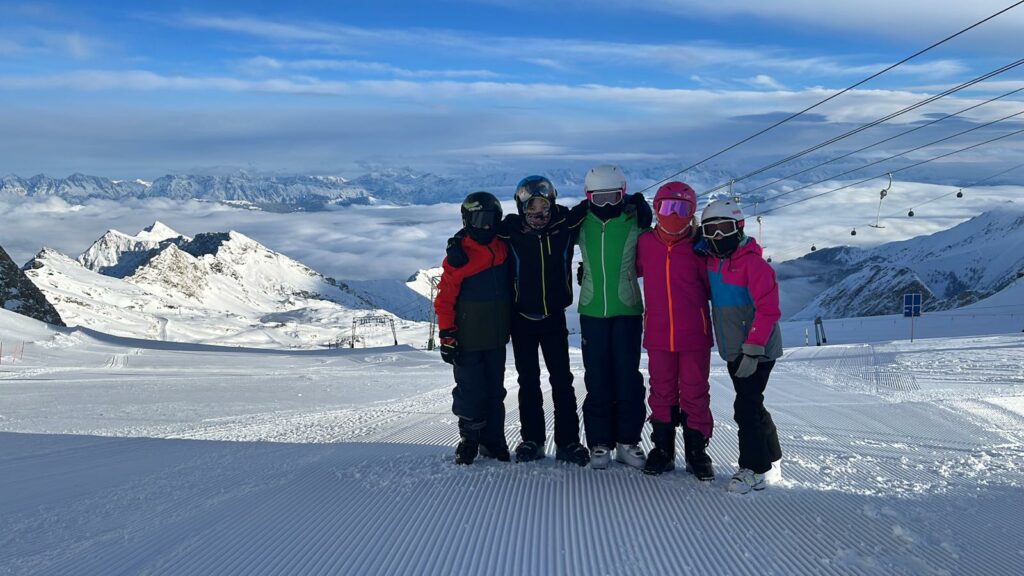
point(30, 41)
point(764, 81)
point(561, 54)
point(519, 148)
point(702, 105)
point(361, 242)
point(264, 64)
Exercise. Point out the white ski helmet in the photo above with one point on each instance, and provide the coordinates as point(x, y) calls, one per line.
point(604, 177)
point(719, 209)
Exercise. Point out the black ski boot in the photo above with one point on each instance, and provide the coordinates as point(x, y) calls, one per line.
point(698, 462)
point(500, 453)
point(574, 453)
point(469, 444)
point(662, 458)
point(528, 451)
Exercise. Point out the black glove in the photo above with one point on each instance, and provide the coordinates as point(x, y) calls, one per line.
point(457, 256)
point(636, 205)
point(449, 346)
point(579, 274)
point(577, 213)
point(748, 362)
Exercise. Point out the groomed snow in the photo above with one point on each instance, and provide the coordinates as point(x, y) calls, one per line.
point(123, 456)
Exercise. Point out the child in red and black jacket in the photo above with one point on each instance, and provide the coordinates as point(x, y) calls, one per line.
point(474, 307)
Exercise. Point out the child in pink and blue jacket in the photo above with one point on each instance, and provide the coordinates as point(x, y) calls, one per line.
point(677, 333)
point(745, 308)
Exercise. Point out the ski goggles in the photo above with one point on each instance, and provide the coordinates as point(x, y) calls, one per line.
point(719, 228)
point(669, 207)
point(482, 219)
point(532, 188)
point(605, 196)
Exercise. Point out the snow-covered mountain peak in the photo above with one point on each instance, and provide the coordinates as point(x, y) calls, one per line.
point(158, 231)
point(53, 256)
point(420, 282)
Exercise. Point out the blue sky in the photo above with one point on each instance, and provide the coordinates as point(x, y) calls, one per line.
point(131, 89)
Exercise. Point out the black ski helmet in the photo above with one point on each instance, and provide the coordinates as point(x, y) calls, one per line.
point(481, 213)
point(534, 187)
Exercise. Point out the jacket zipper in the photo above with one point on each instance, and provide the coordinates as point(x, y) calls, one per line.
point(668, 290)
point(543, 276)
point(604, 272)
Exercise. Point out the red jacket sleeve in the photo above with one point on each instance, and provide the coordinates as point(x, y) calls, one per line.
point(764, 290)
point(447, 294)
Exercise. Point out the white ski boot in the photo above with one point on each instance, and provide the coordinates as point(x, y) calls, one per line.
point(630, 455)
point(774, 476)
point(745, 480)
point(600, 457)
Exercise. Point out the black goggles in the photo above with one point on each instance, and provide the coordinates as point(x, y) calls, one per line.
point(533, 188)
point(482, 219)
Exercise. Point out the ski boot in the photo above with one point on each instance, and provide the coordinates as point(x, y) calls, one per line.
point(662, 457)
point(467, 449)
point(630, 455)
point(500, 454)
point(574, 453)
point(698, 462)
point(528, 451)
point(600, 457)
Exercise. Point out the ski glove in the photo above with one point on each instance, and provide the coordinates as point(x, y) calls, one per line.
point(748, 363)
point(636, 205)
point(449, 346)
point(579, 274)
point(455, 253)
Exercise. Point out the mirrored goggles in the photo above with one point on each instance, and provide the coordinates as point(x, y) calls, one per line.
point(483, 219)
point(672, 206)
point(605, 197)
point(532, 188)
point(719, 228)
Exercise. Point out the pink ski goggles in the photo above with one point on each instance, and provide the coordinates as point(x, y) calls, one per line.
point(671, 206)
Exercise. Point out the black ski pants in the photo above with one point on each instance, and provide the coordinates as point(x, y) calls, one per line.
point(759, 440)
point(479, 396)
point(614, 409)
point(552, 337)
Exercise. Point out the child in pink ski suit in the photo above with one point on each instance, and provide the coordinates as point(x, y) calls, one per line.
point(677, 333)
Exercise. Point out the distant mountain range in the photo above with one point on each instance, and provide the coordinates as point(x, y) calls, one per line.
point(385, 185)
point(216, 288)
point(951, 268)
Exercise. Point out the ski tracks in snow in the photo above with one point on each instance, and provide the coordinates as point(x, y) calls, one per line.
point(880, 477)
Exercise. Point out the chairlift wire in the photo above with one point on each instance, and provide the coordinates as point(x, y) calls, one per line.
point(872, 124)
point(914, 165)
point(836, 95)
point(782, 256)
point(904, 133)
point(971, 185)
point(897, 155)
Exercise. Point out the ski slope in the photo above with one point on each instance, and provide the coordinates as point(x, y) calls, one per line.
point(122, 456)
